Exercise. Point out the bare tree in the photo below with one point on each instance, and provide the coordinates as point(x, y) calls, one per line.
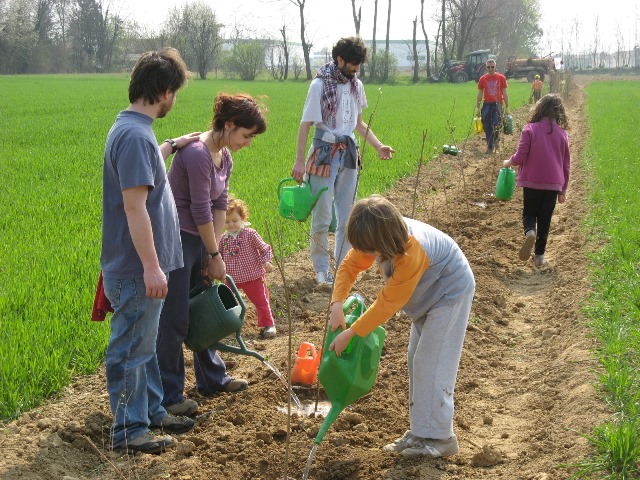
point(306, 45)
point(374, 73)
point(285, 48)
point(357, 18)
point(426, 38)
point(385, 75)
point(596, 37)
point(416, 65)
point(443, 21)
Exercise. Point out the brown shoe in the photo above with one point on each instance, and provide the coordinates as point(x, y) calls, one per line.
point(236, 385)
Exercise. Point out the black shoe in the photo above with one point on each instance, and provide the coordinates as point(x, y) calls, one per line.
point(145, 443)
point(234, 386)
point(175, 424)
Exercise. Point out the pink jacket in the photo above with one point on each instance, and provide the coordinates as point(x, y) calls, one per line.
point(543, 158)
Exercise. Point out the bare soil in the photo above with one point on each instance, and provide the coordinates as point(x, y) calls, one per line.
point(524, 393)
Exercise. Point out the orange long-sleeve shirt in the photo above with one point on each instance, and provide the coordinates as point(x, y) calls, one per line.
point(407, 272)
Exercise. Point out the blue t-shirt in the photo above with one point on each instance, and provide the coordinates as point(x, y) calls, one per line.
point(131, 159)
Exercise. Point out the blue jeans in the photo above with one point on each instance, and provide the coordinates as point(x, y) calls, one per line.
point(341, 192)
point(492, 122)
point(133, 377)
point(210, 369)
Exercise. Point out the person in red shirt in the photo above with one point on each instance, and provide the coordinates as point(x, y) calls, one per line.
point(492, 91)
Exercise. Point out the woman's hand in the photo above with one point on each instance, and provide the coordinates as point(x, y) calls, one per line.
point(336, 317)
point(341, 341)
point(385, 152)
point(215, 269)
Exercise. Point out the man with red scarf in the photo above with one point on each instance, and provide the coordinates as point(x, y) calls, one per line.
point(334, 107)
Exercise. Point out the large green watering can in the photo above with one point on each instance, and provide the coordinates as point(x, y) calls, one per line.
point(296, 201)
point(506, 183)
point(351, 375)
point(216, 311)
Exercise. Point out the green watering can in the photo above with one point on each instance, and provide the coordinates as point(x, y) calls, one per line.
point(216, 311)
point(506, 184)
point(508, 124)
point(296, 201)
point(351, 375)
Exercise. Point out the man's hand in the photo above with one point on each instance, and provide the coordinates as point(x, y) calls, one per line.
point(155, 282)
point(297, 171)
point(185, 140)
point(385, 152)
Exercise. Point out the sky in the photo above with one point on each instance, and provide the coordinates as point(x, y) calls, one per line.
point(329, 20)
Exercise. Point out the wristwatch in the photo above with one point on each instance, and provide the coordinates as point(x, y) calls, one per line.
point(213, 255)
point(174, 145)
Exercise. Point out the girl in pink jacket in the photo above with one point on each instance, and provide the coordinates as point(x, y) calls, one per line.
point(543, 162)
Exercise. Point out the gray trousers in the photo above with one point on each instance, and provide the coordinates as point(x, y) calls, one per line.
point(435, 347)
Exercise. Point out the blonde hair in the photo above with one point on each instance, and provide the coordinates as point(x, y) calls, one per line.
point(236, 205)
point(376, 225)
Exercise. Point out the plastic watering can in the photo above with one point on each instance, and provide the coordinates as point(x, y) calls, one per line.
point(216, 311)
point(506, 184)
point(305, 369)
point(297, 201)
point(478, 127)
point(347, 378)
point(450, 149)
point(508, 124)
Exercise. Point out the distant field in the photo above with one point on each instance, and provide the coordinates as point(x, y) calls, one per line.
point(52, 130)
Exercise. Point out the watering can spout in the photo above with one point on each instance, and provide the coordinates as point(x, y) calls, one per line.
point(335, 410)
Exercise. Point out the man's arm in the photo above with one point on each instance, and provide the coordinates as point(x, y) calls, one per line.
point(384, 151)
point(135, 208)
point(297, 171)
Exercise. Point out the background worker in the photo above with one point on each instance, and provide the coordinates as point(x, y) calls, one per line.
point(492, 91)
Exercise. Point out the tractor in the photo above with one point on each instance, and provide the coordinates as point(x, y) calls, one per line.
point(529, 67)
point(459, 71)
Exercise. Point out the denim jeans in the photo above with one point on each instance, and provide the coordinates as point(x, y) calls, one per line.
point(133, 377)
point(341, 191)
point(492, 122)
point(210, 369)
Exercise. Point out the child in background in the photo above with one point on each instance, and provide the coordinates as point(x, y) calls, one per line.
point(247, 258)
point(428, 277)
point(543, 162)
point(536, 88)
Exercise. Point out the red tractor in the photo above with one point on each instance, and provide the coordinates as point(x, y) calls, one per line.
point(459, 71)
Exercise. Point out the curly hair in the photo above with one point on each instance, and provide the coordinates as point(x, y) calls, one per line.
point(239, 206)
point(351, 49)
point(550, 106)
point(241, 109)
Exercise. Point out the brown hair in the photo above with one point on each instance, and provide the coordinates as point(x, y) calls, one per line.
point(241, 109)
point(376, 225)
point(550, 106)
point(236, 205)
point(155, 73)
point(351, 49)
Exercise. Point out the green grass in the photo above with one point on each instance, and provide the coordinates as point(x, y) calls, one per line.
point(53, 130)
point(614, 308)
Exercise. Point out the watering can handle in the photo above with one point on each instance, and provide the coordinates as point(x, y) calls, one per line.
point(279, 191)
point(235, 291)
point(306, 346)
point(354, 298)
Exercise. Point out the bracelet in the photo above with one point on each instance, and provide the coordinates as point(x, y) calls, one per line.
point(174, 145)
point(213, 255)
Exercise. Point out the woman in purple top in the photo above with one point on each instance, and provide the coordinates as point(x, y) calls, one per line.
point(544, 162)
point(199, 178)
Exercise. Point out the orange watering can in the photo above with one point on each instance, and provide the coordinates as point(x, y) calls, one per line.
point(296, 201)
point(305, 369)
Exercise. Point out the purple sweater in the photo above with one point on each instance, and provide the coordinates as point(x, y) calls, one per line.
point(543, 158)
point(198, 186)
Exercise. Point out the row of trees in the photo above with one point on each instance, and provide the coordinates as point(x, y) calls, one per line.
point(52, 36)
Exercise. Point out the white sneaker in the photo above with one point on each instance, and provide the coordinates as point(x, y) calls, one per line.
point(324, 278)
point(432, 447)
point(399, 444)
point(269, 332)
